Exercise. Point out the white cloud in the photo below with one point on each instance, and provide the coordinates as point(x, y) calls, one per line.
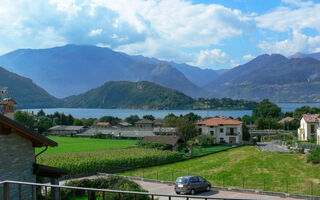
point(234, 62)
point(291, 19)
point(95, 32)
point(248, 57)
point(297, 43)
point(209, 58)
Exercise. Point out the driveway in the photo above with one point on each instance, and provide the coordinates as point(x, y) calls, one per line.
point(161, 188)
point(273, 147)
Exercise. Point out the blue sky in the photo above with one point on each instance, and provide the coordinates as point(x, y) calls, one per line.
point(212, 34)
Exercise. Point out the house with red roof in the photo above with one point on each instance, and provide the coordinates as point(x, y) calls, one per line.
point(309, 124)
point(222, 129)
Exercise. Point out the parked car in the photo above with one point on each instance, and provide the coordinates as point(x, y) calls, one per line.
point(191, 184)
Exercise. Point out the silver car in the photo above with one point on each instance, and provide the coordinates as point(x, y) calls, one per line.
point(191, 184)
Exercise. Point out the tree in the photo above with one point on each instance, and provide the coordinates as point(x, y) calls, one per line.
point(245, 133)
point(171, 120)
point(266, 109)
point(41, 113)
point(186, 130)
point(298, 112)
point(25, 119)
point(148, 117)
point(112, 120)
point(191, 117)
point(77, 122)
point(44, 124)
point(132, 119)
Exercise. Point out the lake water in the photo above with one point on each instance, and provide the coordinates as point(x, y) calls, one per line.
point(123, 113)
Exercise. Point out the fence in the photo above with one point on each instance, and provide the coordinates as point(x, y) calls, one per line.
point(260, 182)
point(42, 191)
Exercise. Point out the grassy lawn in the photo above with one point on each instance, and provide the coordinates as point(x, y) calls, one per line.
point(246, 167)
point(198, 151)
point(72, 144)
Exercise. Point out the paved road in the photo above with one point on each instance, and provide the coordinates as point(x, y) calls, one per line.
point(160, 188)
point(273, 147)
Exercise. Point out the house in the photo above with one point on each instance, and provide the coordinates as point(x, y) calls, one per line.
point(63, 130)
point(158, 123)
point(7, 107)
point(286, 119)
point(222, 129)
point(318, 136)
point(124, 124)
point(144, 123)
point(309, 123)
point(18, 159)
point(103, 124)
point(172, 140)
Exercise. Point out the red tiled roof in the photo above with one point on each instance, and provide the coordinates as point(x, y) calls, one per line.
point(287, 119)
point(103, 124)
point(311, 117)
point(219, 121)
point(144, 121)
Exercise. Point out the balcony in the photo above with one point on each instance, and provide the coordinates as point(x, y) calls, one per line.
point(37, 189)
point(231, 134)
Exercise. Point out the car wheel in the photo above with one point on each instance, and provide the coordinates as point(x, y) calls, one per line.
point(177, 192)
point(208, 188)
point(193, 192)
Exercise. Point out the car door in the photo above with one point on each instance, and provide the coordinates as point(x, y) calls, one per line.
point(202, 183)
point(197, 183)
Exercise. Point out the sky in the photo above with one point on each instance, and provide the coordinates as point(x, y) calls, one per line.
point(212, 34)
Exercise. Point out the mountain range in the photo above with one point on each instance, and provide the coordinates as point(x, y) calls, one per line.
point(70, 71)
point(273, 76)
point(74, 69)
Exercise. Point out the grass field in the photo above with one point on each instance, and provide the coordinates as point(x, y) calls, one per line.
point(73, 144)
point(246, 167)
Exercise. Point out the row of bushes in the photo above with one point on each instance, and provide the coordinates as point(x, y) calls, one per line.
point(155, 145)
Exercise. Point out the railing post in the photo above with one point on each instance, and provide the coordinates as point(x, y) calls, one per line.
point(6, 191)
point(54, 190)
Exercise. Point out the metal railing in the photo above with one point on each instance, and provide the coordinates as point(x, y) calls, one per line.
point(44, 188)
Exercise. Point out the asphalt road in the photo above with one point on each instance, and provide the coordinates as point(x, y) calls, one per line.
point(160, 188)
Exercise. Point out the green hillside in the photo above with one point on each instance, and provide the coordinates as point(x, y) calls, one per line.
point(25, 92)
point(133, 95)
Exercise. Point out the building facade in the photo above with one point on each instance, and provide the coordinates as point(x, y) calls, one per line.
point(309, 124)
point(224, 130)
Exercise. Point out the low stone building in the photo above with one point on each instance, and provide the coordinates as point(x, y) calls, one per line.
point(63, 130)
point(171, 140)
point(17, 157)
point(144, 123)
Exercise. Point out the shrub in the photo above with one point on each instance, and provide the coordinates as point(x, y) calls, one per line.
point(111, 182)
point(155, 145)
point(205, 140)
point(314, 156)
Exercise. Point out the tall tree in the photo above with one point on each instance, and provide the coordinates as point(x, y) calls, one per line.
point(266, 109)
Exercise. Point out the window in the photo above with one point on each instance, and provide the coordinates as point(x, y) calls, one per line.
point(221, 130)
point(211, 132)
point(231, 130)
point(200, 130)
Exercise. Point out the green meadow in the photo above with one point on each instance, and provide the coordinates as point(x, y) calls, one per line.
point(77, 144)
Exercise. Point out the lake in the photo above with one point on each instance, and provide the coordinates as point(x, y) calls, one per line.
point(123, 113)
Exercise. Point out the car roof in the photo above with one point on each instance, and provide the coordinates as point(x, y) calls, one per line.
point(188, 176)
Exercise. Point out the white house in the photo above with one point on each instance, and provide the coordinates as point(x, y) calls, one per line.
point(309, 124)
point(318, 136)
point(222, 129)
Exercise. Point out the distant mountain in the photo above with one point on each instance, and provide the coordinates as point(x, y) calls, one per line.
point(271, 76)
point(302, 55)
point(25, 92)
point(74, 69)
point(135, 95)
point(196, 75)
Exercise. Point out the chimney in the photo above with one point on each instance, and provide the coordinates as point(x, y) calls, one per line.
point(7, 107)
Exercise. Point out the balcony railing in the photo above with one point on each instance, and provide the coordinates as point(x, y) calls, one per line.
point(44, 188)
point(231, 133)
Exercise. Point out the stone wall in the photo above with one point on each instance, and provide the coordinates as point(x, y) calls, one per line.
point(16, 164)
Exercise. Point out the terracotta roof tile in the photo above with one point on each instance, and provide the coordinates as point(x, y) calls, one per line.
point(219, 121)
point(311, 117)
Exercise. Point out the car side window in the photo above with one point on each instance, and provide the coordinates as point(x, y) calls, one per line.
point(202, 179)
point(196, 179)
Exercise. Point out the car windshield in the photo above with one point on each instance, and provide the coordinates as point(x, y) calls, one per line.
point(182, 180)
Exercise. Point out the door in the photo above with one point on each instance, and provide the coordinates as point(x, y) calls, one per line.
point(232, 140)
